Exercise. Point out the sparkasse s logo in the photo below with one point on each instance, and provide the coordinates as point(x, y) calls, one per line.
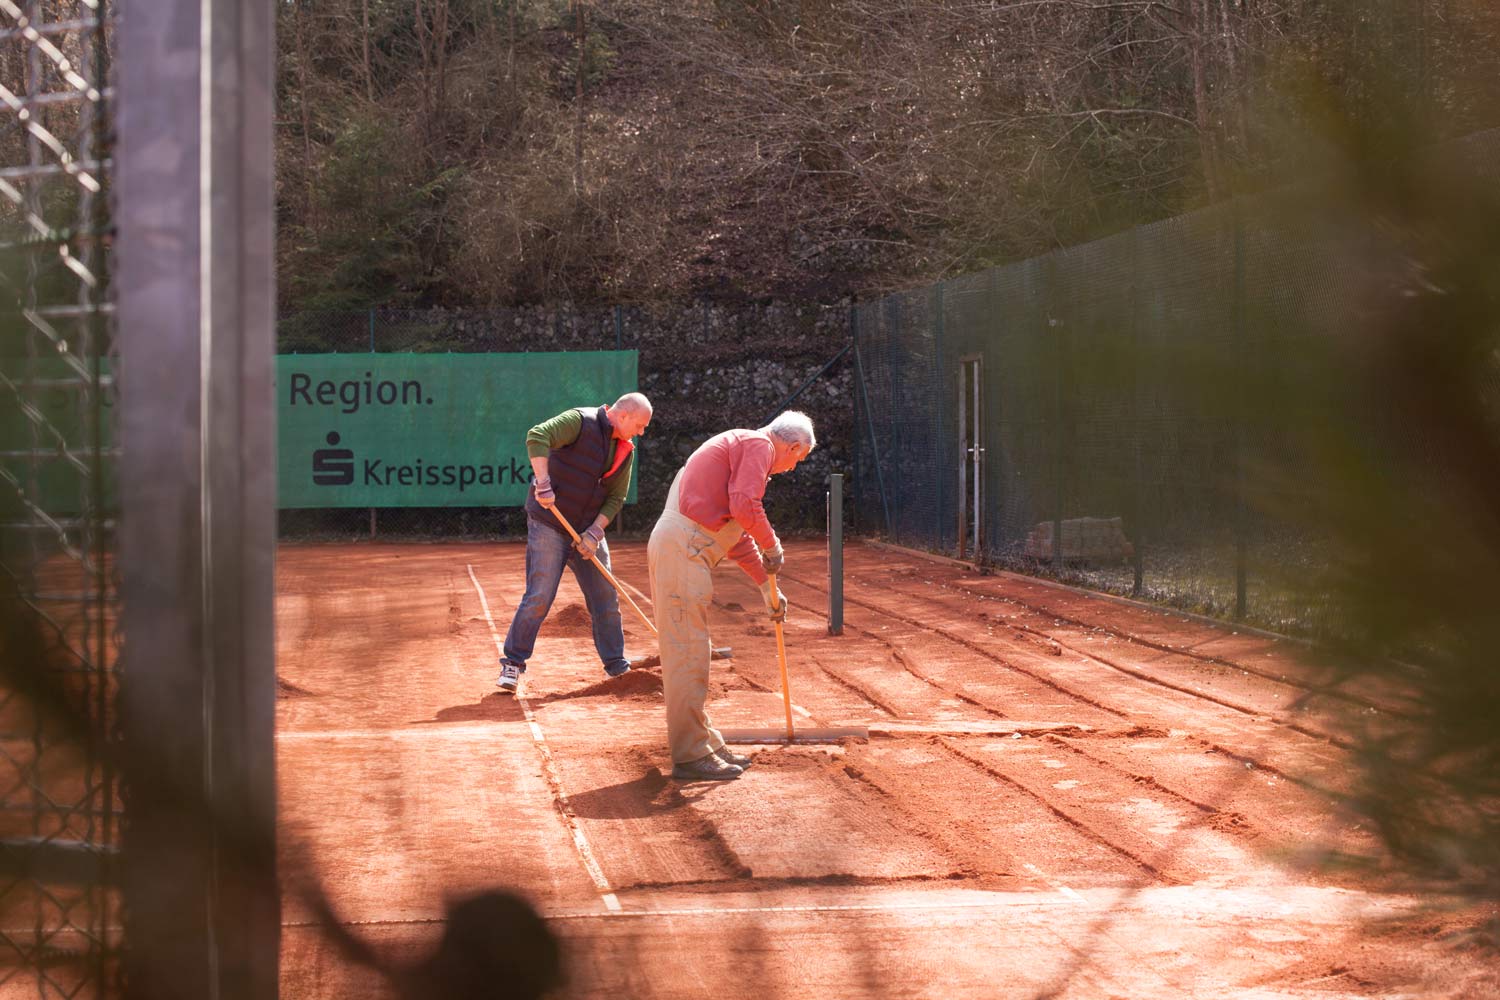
point(333, 466)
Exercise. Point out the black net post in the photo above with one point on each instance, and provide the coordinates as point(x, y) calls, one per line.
point(835, 553)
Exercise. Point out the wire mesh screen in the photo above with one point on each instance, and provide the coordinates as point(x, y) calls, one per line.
point(1128, 435)
point(59, 801)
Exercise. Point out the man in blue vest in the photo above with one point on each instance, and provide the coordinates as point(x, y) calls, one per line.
point(581, 461)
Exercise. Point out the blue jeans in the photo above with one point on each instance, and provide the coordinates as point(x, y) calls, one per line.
point(547, 551)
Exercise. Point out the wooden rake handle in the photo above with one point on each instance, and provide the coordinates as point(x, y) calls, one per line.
point(607, 574)
point(786, 688)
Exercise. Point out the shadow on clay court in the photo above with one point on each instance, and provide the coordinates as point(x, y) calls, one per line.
point(494, 707)
point(652, 794)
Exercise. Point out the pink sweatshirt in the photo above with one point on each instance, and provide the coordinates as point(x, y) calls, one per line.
point(725, 479)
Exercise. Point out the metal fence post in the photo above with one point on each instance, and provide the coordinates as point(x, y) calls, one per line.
point(859, 369)
point(1059, 354)
point(858, 443)
point(196, 218)
point(1138, 563)
point(935, 474)
point(1056, 332)
point(1237, 306)
point(372, 351)
point(894, 338)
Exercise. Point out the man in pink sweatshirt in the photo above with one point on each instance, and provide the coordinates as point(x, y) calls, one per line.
point(714, 510)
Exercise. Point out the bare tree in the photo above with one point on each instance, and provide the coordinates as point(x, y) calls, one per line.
point(432, 41)
point(580, 40)
point(833, 145)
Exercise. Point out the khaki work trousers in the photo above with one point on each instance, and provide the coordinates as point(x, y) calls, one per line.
point(681, 556)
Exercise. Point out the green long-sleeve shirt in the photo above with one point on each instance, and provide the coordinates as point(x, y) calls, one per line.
point(561, 431)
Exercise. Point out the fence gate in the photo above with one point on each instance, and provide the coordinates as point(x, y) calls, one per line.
point(970, 456)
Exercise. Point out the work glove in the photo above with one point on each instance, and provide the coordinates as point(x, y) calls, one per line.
point(777, 610)
point(588, 543)
point(772, 559)
point(544, 494)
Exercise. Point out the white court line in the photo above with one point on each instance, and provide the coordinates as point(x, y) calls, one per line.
point(918, 906)
point(549, 767)
point(435, 731)
point(732, 911)
point(1055, 884)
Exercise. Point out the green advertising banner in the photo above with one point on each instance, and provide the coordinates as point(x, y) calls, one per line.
point(427, 430)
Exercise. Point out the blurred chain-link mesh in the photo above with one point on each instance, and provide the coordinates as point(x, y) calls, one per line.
point(60, 801)
point(1132, 433)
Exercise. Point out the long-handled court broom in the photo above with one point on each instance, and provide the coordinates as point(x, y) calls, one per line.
point(791, 734)
point(718, 653)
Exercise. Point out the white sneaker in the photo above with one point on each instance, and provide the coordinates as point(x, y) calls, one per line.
point(510, 677)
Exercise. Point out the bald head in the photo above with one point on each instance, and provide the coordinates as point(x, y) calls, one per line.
point(632, 402)
point(630, 414)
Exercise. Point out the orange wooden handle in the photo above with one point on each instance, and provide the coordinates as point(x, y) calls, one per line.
point(607, 574)
point(786, 687)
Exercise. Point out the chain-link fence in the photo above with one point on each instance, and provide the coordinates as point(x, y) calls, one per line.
point(60, 804)
point(1113, 414)
point(706, 366)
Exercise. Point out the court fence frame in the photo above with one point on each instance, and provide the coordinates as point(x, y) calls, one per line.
point(1126, 437)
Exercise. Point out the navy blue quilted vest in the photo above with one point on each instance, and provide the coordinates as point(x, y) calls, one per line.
point(577, 474)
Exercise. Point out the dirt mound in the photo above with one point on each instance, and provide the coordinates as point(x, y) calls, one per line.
point(635, 684)
point(830, 760)
point(641, 684)
point(571, 619)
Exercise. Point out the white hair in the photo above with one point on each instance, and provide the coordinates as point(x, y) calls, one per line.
point(793, 427)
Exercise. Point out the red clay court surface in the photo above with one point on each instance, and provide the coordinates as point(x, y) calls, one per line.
point(1063, 796)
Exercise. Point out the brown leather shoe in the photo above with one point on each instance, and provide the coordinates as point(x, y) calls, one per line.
point(706, 768)
point(730, 757)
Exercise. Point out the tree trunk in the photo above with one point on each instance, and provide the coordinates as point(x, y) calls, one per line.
point(440, 51)
point(1198, 43)
point(365, 41)
point(432, 40)
point(1235, 80)
point(582, 39)
point(304, 100)
point(424, 45)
